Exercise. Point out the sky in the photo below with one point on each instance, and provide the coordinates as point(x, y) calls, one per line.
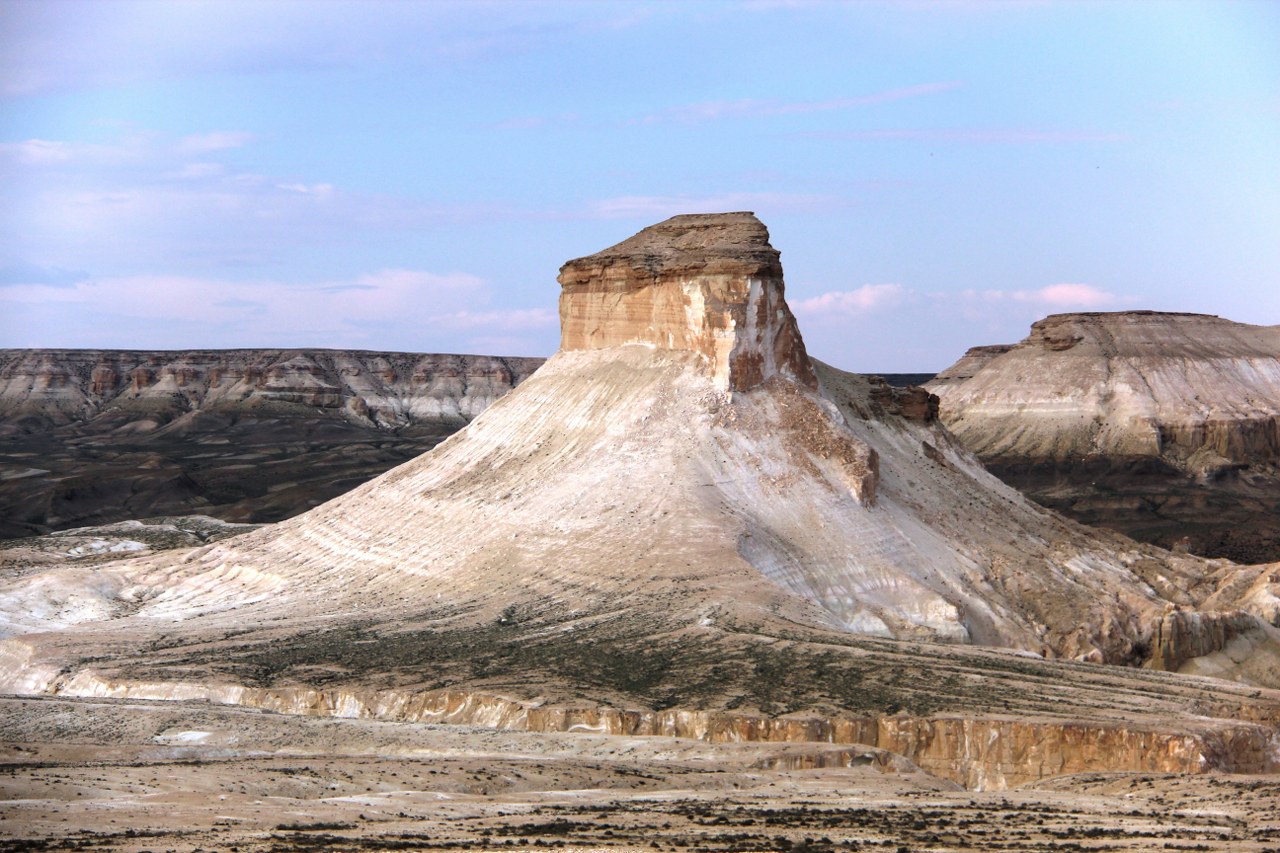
point(411, 175)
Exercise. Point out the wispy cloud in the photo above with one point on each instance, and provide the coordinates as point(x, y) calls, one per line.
point(976, 136)
point(135, 147)
point(389, 308)
point(59, 46)
point(847, 303)
point(320, 190)
point(25, 273)
point(767, 108)
point(145, 199)
point(1065, 295)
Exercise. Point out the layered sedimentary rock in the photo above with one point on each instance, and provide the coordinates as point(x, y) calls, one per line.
point(673, 517)
point(1164, 426)
point(139, 391)
point(89, 436)
point(707, 285)
point(1188, 388)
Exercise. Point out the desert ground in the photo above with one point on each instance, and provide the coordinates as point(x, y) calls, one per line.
point(137, 776)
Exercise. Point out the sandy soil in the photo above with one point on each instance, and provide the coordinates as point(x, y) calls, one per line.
point(130, 776)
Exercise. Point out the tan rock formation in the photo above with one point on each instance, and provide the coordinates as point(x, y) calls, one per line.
point(704, 283)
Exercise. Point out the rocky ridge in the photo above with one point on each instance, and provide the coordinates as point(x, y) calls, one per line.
point(1164, 426)
point(141, 391)
point(670, 522)
point(101, 436)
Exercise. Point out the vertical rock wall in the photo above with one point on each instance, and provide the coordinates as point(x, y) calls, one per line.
point(705, 283)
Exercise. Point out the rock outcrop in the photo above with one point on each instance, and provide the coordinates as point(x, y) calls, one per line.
point(139, 391)
point(101, 436)
point(709, 284)
point(1164, 426)
point(993, 752)
point(1186, 388)
point(678, 514)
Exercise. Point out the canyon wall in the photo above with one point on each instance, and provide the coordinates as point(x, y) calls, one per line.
point(100, 436)
point(141, 391)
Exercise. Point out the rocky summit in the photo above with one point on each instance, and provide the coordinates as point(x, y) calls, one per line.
point(682, 525)
point(1164, 426)
point(710, 285)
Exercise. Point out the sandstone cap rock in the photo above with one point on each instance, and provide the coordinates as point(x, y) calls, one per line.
point(734, 243)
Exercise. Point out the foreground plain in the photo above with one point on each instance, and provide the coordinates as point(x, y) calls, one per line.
point(136, 776)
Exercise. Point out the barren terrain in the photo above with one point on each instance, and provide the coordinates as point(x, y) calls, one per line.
point(101, 436)
point(163, 776)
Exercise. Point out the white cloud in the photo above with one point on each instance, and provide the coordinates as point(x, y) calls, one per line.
point(1066, 295)
point(1013, 307)
point(320, 190)
point(1071, 295)
point(389, 308)
point(848, 303)
point(200, 170)
point(52, 154)
point(144, 200)
point(133, 148)
point(36, 152)
point(55, 45)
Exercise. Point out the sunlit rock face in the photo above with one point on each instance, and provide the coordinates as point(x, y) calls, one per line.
point(710, 284)
point(1192, 389)
point(1163, 426)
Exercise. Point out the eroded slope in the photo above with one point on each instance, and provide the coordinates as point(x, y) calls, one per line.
point(1163, 426)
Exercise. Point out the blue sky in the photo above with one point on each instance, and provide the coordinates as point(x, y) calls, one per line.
point(410, 176)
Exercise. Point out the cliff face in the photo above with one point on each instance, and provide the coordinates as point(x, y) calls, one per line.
point(981, 754)
point(1138, 383)
point(143, 391)
point(247, 435)
point(709, 284)
point(1164, 426)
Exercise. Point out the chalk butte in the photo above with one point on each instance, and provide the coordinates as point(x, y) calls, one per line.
point(673, 513)
point(706, 284)
point(1192, 389)
point(1164, 426)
